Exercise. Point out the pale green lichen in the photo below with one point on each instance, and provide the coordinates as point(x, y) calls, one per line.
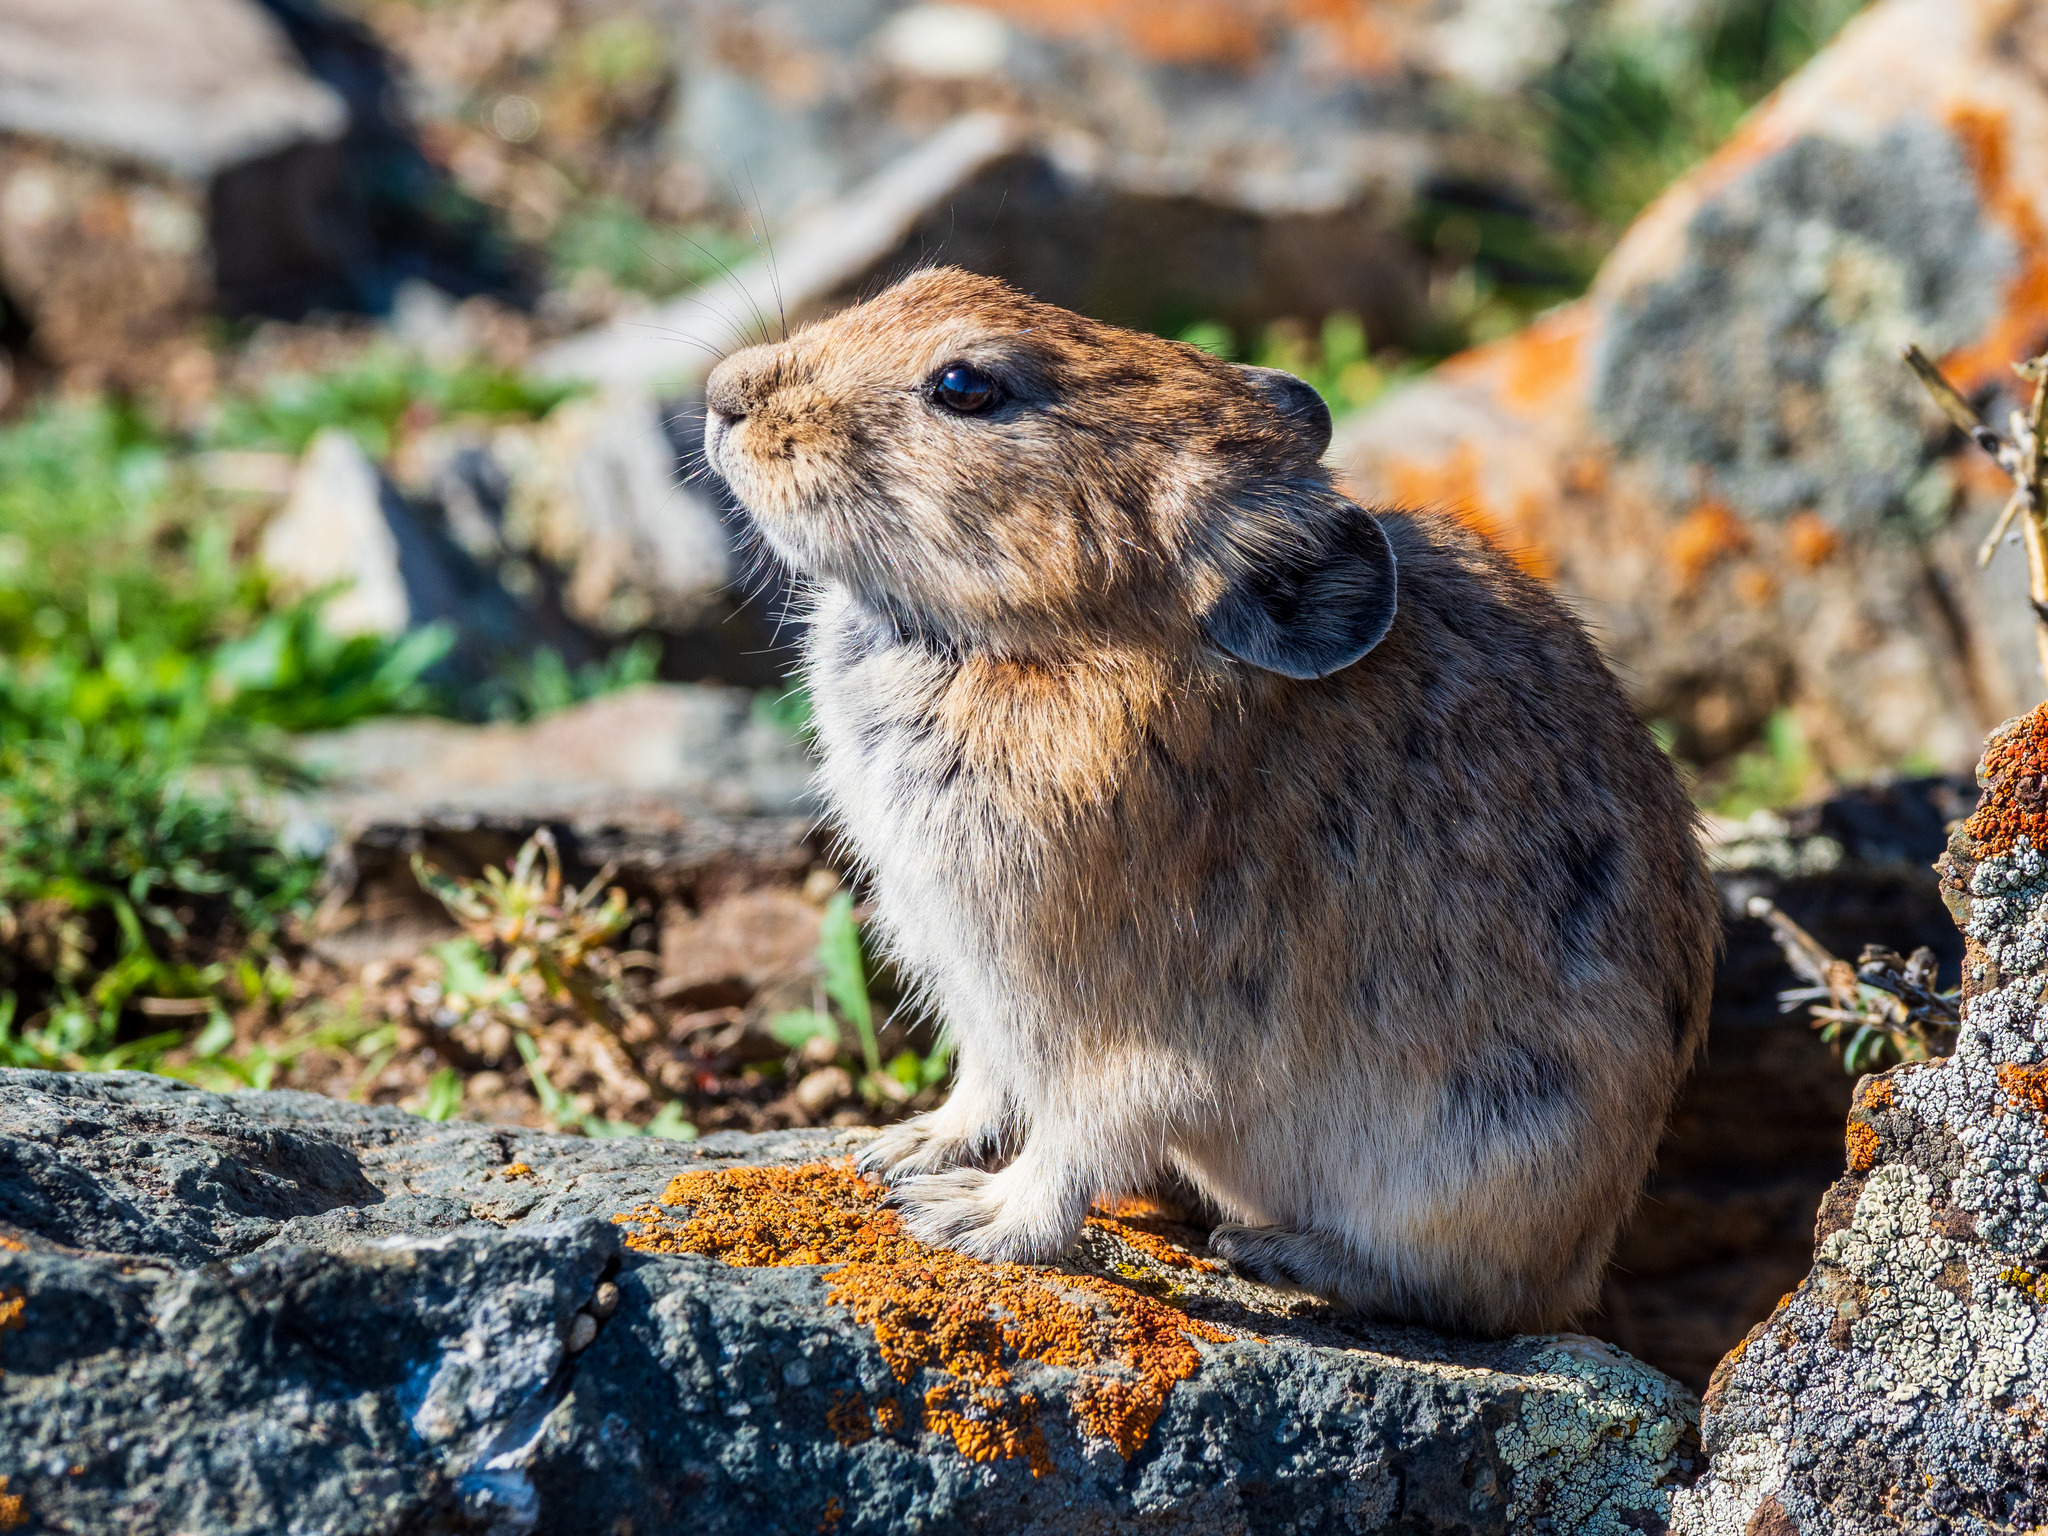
point(1597, 1440)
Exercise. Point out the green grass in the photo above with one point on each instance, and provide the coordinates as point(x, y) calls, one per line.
point(608, 235)
point(1632, 107)
point(372, 395)
point(1334, 357)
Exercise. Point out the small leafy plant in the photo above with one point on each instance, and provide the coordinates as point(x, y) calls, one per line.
point(845, 983)
point(530, 938)
point(120, 887)
point(1883, 1010)
point(1334, 359)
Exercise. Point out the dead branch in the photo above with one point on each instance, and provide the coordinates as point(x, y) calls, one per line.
point(2024, 457)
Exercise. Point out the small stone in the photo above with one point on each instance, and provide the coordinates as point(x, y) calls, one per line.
point(820, 1090)
point(582, 1330)
point(605, 1302)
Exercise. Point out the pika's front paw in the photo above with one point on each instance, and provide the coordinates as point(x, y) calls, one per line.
point(929, 1143)
point(982, 1215)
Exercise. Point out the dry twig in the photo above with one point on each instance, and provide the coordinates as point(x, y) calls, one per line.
point(1886, 1005)
point(2024, 457)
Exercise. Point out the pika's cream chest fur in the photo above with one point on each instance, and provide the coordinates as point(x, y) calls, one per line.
point(1398, 966)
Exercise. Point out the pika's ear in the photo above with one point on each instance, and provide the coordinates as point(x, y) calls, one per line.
point(1298, 404)
point(1314, 608)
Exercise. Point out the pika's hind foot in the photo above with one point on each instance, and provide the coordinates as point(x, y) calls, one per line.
point(1301, 1261)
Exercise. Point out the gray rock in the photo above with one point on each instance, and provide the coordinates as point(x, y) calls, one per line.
point(597, 492)
point(317, 1316)
point(682, 789)
point(398, 568)
point(1894, 1389)
point(816, 261)
point(190, 87)
point(1716, 454)
point(343, 526)
point(676, 746)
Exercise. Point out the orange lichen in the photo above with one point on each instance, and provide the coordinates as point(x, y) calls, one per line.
point(1753, 587)
point(1863, 1147)
point(1876, 1094)
point(1542, 360)
point(1810, 540)
point(1704, 537)
point(889, 1416)
point(515, 1171)
point(1143, 1233)
point(2022, 319)
point(820, 1213)
point(955, 1324)
point(13, 1309)
point(1215, 33)
point(11, 1245)
point(848, 1419)
point(831, 1514)
point(13, 1507)
point(2014, 803)
point(1228, 34)
point(1451, 486)
point(2025, 1086)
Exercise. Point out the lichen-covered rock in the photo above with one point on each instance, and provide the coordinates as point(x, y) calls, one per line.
point(274, 1312)
point(1717, 453)
point(1899, 1388)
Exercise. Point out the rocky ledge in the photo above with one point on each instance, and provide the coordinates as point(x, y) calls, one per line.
point(1900, 1386)
point(275, 1312)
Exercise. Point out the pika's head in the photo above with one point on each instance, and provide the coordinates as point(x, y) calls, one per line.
point(994, 472)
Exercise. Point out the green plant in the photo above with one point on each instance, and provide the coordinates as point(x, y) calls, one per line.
point(668, 1122)
point(845, 981)
point(542, 683)
point(789, 710)
point(1334, 358)
point(608, 235)
point(1632, 106)
point(1779, 770)
point(370, 396)
point(118, 885)
point(529, 938)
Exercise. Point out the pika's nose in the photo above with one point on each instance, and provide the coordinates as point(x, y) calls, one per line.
point(740, 383)
point(723, 394)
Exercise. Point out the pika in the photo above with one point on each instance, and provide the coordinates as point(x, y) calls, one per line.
point(1247, 842)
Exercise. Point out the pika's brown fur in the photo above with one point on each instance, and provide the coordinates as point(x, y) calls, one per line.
point(1246, 841)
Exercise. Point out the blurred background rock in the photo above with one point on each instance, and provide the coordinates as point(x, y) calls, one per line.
point(348, 421)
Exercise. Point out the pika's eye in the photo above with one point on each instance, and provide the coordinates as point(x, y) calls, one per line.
point(964, 389)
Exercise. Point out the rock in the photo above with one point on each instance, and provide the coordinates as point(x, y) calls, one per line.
point(276, 1312)
point(1725, 1227)
point(1047, 214)
point(675, 745)
point(1274, 108)
point(819, 260)
point(1894, 1389)
point(343, 524)
point(1716, 453)
point(191, 88)
point(128, 128)
point(683, 788)
point(596, 491)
